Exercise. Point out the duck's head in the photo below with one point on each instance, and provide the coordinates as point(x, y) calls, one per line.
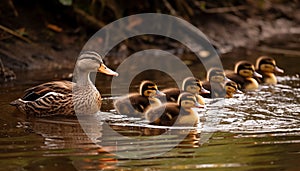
point(91, 61)
point(216, 75)
point(193, 85)
point(149, 89)
point(187, 101)
point(231, 87)
point(246, 69)
point(267, 64)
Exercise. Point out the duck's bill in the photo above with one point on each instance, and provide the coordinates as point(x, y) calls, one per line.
point(198, 105)
point(104, 69)
point(279, 70)
point(204, 91)
point(255, 74)
point(227, 79)
point(159, 93)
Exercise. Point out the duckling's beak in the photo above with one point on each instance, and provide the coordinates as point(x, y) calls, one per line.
point(279, 70)
point(227, 79)
point(159, 93)
point(198, 105)
point(104, 69)
point(204, 91)
point(255, 74)
point(238, 91)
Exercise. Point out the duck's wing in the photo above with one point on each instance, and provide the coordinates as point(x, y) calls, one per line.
point(239, 80)
point(138, 102)
point(131, 104)
point(165, 115)
point(61, 87)
point(206, 85)
point(171, 95)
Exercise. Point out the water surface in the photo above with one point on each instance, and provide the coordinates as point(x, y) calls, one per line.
point(259, 130)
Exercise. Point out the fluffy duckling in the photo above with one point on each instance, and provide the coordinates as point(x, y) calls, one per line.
point(65, 97)
point(243, 75)
point(266, 66)
point(189, 84)
point(231, 88)
point(215, 78)
point(135, 104)
point(180, 113)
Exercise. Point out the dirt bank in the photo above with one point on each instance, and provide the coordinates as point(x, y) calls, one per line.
point(49, 35)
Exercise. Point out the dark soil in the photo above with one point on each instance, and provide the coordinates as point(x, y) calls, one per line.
point(52, 34)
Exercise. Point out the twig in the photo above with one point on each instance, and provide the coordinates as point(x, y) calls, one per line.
point(222, 9)
point(89, 18)
point(14, 33)
point(170, 8)
point(225, 9)
point(1, 67)
point(11, 4)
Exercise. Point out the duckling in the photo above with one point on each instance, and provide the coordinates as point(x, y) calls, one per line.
point(266, 66)
point(189, 84)
point(231, 88)
point(135, 104)
point(64, 97)
point(215, 78)
point(180, 113)
point(243, 75)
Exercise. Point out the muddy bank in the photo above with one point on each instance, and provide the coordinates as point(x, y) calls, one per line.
point(51, 38)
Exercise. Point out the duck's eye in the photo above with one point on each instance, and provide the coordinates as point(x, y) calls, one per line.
point(149, 92)
point(188, 102)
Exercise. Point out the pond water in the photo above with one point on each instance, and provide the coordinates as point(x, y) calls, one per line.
point(258, 130)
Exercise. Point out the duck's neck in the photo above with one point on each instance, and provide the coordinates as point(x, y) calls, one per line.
point(229, 95)
point(154, 101)
point(83, 79)
point(270, 78)
point(217, 89)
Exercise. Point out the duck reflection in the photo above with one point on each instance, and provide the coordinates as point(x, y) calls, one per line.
point(100, 147)
point(155, 137)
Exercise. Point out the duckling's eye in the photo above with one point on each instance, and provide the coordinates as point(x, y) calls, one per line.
point(188, 102)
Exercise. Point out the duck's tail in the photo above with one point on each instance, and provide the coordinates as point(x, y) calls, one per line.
point(17, 102)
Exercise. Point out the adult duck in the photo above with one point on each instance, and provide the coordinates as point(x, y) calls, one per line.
point(243, 74)
point(189, 84)
point(65, 97)
point(266, 66)
point(135, 104)
point(180, 113)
